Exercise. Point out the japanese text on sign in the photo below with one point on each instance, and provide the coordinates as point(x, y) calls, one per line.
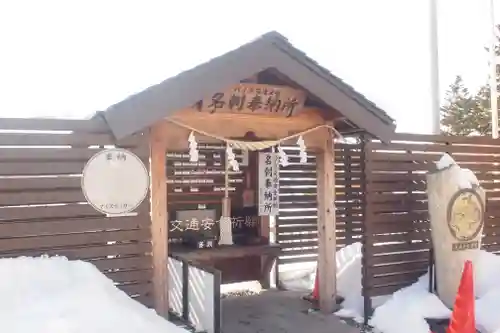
point(268, 184)
point(119, 206)
point(465, 246)
point(251, 98)
point(193, 224)
point(115, 181)
point(243, 221)
point(116, 156)
point(205, 244)
point(208, 224)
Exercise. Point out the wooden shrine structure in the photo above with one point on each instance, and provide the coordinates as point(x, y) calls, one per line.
point(259, 96)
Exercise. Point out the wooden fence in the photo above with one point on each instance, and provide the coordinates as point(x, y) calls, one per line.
point(349, 196)
point(380, 200)
point(397, 236)
point(43, 209)
point(297, 226)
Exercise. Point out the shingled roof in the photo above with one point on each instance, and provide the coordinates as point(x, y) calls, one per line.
point(271, 50)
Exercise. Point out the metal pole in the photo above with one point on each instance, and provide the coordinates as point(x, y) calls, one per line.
point(434, 59)
point(493, 76)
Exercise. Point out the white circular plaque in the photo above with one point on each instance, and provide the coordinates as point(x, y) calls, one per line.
point(115, 181)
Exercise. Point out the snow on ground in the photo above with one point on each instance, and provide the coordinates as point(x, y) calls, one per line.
point(406, 309)
point(299, 277)
point(414, 303)
point(56, 295)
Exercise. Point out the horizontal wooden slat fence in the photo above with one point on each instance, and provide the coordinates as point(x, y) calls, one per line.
point(43, 209)
point(349, 195)
point(397, 236)
point(297, 226)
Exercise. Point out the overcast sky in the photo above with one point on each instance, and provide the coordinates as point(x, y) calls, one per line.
point(70, 58)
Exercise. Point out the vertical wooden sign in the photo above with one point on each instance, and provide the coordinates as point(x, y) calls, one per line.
point(268, 184)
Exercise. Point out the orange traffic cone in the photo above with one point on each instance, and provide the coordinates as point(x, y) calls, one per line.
point(315, 292)
point(463, 316)
point(313, 297)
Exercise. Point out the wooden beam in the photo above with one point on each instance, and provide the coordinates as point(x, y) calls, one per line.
point(159, 216)
point(234, 125)
point(325, 170)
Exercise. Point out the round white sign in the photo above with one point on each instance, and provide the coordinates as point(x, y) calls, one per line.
point(115, 181)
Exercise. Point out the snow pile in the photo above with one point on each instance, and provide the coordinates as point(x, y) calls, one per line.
point(467, 178)
point(487, 290)
point(444, 162)
point(297, 277)
point(486, 273)
point(55, 295)
point(487, 319)
point(300, 277)
point(408, 307)
point(349, 272)
point(349, 279)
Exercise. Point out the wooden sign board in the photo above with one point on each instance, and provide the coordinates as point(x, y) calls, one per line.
point(198, 228)
point(269, 203)
point(255, 99)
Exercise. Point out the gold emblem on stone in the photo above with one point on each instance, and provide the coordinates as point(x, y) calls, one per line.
point(465, 215)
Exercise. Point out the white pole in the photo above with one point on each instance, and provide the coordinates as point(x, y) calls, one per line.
point(493, 76)
point(434, 59)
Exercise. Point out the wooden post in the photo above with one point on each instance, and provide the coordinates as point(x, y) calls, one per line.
point(325, 173)
point(159, 223)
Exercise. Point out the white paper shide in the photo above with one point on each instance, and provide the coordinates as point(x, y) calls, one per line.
point(115, 181)
point(268, 184)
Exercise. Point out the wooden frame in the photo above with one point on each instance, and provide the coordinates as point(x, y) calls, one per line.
point(159, 216)
point(234, 125)
point(270, 59)
point(326, 223)
point(167, 135)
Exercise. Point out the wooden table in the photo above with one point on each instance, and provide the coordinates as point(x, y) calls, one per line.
point(267, 252)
